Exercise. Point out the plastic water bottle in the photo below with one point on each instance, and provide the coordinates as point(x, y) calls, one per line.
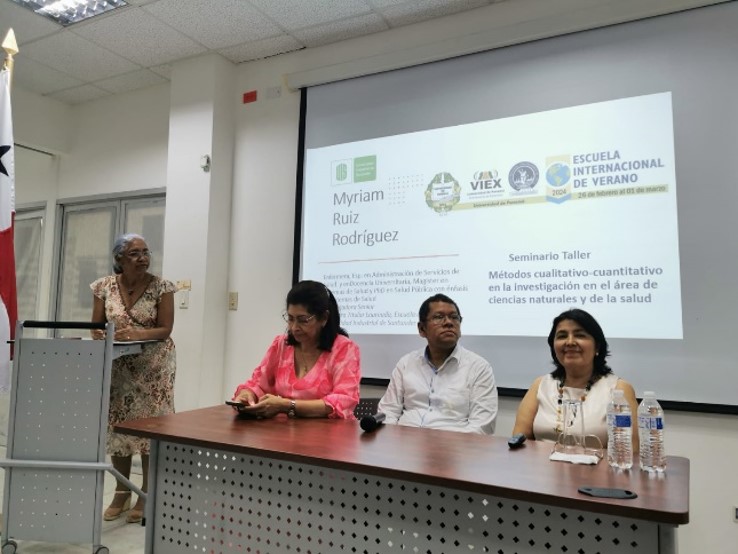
point(651, 434)
point(619, 432)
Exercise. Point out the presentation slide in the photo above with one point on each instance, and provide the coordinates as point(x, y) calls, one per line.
point(516, 219)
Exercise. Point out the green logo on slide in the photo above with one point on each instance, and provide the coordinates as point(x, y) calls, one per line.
point(365, 169)
point(341, 172)
point(354, 170)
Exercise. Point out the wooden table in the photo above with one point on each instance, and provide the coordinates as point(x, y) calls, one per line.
point(220, 484)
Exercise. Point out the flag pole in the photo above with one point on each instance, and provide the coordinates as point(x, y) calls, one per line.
point(11, 49)
point(8, 291)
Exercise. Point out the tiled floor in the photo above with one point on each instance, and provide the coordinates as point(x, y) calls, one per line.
point(120, 537)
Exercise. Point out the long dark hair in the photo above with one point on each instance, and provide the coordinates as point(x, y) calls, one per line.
point(589, 324)
point(320, 302)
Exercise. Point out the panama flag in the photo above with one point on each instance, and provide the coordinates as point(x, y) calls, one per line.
point(8, 307)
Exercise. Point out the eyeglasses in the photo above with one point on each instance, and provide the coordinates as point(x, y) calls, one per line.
point(438, 319)
point(136, 254)
point(300, 320)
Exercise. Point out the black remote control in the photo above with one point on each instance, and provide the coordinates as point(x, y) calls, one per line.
point(516, 441)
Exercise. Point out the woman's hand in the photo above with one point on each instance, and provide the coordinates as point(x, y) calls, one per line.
point(126, 334)
point(268, 405)
point(246, 397)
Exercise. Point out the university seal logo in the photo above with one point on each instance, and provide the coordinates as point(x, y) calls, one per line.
point(442, 193)
point(523, 176)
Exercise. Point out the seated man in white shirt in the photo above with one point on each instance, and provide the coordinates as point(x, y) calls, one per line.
point(443, 386)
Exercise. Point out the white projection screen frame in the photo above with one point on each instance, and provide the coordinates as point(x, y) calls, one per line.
point(540, 172)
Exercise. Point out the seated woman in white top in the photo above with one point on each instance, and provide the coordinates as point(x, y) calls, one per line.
point(578, 348)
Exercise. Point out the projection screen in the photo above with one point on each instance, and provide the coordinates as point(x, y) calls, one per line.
point(593, 170)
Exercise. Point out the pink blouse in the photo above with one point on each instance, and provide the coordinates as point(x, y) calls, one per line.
point(334, 378)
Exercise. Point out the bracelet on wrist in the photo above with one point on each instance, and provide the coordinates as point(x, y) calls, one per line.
point(292, 411)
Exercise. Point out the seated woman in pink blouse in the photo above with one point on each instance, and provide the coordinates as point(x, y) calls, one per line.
point(312, 370)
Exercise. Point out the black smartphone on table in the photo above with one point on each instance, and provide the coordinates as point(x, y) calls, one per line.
point(241, 413)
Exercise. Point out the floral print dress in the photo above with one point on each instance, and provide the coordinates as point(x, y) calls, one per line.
point(142, 385)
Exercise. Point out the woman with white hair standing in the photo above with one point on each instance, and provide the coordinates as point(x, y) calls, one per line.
point(142, 385)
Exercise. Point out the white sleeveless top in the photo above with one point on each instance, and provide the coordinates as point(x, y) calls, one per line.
point(594, 407)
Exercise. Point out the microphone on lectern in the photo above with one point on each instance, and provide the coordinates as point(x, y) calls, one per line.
point(371, 422)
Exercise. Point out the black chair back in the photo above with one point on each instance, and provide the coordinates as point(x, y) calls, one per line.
point(365, 407)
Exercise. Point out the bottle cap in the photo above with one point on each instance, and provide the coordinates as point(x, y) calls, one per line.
point(649, 394)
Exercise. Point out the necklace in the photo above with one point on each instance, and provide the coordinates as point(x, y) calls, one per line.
point(132, 289)
point(304, 365)
point(558, 429)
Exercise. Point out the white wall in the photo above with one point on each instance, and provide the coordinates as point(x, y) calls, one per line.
point(41, 122)
point(46, 125)
point(197, 227)
point(262, 229)
point(120, 144)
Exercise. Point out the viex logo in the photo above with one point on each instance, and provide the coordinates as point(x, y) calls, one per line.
point(486, 181)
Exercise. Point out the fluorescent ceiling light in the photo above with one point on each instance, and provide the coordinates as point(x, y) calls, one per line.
point(67, 12)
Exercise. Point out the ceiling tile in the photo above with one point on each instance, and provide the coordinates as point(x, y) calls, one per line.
point(217, 23)
point(79, 95)
point(40, 78)
point(261, 48)
point(78, 57)
point(293, 15)
point(111, 50)
point(341, 30)
point(165, 70)
point(385, 3)
point(137, 36)
point(27, 25)
point(131, 81)
point(421, 10)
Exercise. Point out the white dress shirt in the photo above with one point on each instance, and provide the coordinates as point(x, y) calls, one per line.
point(460, 395)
